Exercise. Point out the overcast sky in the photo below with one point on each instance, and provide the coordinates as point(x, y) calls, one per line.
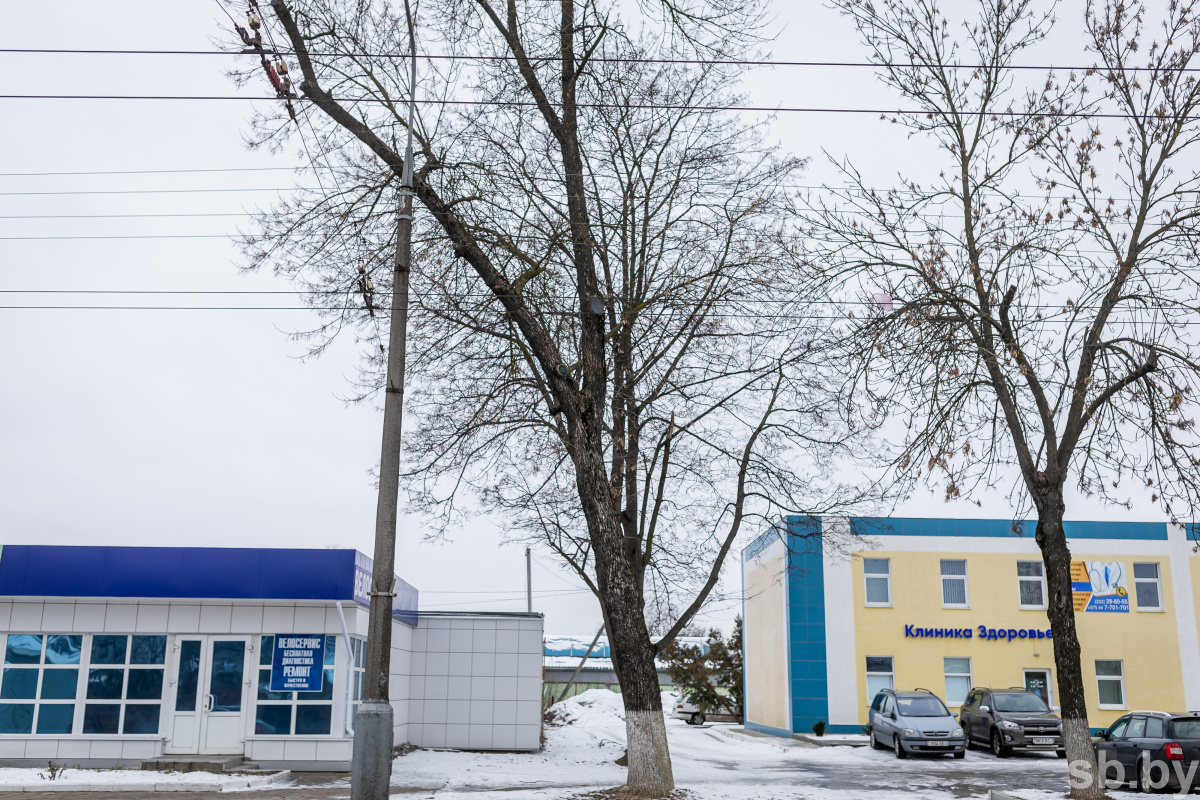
point(172, 427)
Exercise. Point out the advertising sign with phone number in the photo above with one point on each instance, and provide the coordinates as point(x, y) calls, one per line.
point(1099, 586)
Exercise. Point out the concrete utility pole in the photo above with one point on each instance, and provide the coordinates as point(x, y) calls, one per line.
point(371, 768)
point(528, 581)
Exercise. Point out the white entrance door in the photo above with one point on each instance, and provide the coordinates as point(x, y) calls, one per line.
point(212, 695)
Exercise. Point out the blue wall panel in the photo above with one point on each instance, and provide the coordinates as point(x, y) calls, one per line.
point(806, 613)
point(1000, 528)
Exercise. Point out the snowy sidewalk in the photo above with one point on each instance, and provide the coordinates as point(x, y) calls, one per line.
point(714, 762)
point(129, 780)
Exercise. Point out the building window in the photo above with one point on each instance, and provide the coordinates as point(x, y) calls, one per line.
point(40, 683)
point(879, 675)
point(124, 684)
point(954, 583)
point(958, 680)
point(358, 660)
point(1148, 585)
point(1031, 579)
point(878, 573)
point(1110, 683)
point(293, 713)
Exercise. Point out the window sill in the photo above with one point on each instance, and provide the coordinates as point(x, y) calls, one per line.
point(1033, 608)
point(1103, 707)
point(1151, 610)
point(878, 605)
point(956, 608)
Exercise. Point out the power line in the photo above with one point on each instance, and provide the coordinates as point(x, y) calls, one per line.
point(603, 59)
point(622, 107)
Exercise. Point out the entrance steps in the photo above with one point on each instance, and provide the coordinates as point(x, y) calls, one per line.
point(175, 763)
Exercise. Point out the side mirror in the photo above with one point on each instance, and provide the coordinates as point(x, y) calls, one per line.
point(1055, 709)
point(984, 710)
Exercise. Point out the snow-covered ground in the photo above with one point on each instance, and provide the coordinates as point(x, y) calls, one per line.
point(34, 779)
point(714, 762)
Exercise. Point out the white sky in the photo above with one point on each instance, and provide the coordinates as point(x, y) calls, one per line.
point(202, 427)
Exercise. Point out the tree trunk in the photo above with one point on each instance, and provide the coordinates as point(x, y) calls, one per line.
point(1056, 555)
point(650, 772)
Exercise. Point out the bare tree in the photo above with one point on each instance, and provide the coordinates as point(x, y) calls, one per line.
point(606, 351)
point(1027, 310)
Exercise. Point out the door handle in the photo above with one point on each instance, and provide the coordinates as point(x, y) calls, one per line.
point(210, 702)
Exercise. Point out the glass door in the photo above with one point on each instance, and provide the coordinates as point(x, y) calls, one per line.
point(225, 688)
point(1038, 682)
point(184, 714)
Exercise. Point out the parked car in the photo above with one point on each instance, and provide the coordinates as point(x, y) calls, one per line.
point(683, 708)
point(914, 722)
point(1141, 738)
point(1008, 720)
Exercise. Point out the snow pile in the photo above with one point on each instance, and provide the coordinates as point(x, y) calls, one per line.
point(14, 779)
point(590, 709)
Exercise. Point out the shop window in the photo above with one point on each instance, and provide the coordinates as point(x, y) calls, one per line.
point(880, 675)
point(40, 683)
point(1110, 683)
point(1031, 580)
point(1148, 586)
point(124, 684)
point(954, 583)
point(878, 575)
point(359, 661)
point(958, 680)
point(293, 713)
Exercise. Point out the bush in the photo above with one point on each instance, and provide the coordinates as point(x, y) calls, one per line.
point(819, 727)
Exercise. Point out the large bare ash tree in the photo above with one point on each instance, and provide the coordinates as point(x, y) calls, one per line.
point(606, 351)
point(1028, 306)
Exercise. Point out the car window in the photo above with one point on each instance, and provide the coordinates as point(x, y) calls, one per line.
point(878, 704)
point(1154, 728)
point(1019, 703)
point(1118, 728)
point(921, 707)
point(1187, 729)
point(972, 699)
point(887, 704)
point(1136, 729)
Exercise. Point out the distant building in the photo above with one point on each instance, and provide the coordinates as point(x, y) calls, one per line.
point(123, 655)
point(947, 604)
point(563, 654)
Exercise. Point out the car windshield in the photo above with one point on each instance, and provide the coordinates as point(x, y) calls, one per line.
point(1187, 729)
point(921, 707)
point(1020, 703)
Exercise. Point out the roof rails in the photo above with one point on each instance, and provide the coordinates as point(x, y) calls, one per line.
point(919, 689)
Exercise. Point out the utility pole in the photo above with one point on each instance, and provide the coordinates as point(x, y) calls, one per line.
point(371, 768)
point(528, 581)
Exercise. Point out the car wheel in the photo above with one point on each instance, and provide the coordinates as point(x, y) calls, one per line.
point(1143, 777)
point(898, 747)
point(998, 748)
point(1060, 753)
point(961, 754)
point(692, 719)
point(701, 719)
point(875, 745)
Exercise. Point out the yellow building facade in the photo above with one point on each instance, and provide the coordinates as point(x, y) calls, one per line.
point(837, 608)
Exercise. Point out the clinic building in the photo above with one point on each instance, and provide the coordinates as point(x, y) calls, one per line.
point(836, 609)
point(123, 655)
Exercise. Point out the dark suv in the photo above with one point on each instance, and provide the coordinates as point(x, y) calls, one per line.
point(1157, 750)
point(1010, 719)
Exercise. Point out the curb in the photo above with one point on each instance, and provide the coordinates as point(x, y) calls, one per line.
point(826, 741)
point(222, 785)
point(994, 795)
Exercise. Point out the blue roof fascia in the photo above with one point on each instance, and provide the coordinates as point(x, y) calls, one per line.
point(1000, 528)
point(231, 573)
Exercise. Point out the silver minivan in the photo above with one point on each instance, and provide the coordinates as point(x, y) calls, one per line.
point(914, 722)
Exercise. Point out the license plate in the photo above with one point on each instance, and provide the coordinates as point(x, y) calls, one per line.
point(937, 744)
point(1043, 740)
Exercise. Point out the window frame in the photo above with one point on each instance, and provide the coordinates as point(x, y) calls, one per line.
point(83, 668)
point(1124, 705)
point(946, 676)
point(1041, 580)
point(886, 577)
point(868, 674)
point(1158, 585)
point(293, 700)
point(943, 577)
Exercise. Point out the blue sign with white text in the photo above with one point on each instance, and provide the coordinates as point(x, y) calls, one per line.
point(298, 663)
